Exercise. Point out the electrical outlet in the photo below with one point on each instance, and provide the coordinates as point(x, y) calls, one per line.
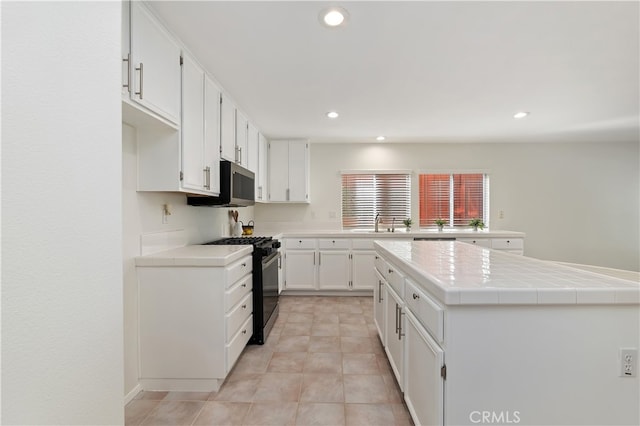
point(628, 362)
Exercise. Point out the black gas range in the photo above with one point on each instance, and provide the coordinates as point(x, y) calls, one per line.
point(266, 268)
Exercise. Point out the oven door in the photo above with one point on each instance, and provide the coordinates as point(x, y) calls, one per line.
point(270, 272)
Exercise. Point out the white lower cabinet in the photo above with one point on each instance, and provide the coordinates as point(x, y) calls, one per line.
point(424, 384)
point(329, 264)
point(363, 257)
point(379, 297)
point(333, 270)
point(300, 270)
point(194, 323)
point(395, 334)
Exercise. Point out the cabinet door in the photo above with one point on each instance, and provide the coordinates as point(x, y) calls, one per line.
point(379, 305)
point(363, 270)
point(333, 270)
point(278, 170)
point(424, 386)
point(194, 173)
point(227, 129)
point(298, 171)
point(242, 129)
point(395, 334)
point(300, 269)
point(212, 133)
point(252, 150)
point(261, 180)
point(155, 65)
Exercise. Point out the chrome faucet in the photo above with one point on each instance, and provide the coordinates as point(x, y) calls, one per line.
point(393, 225)
point(377, 220)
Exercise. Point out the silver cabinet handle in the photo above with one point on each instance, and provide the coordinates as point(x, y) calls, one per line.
point(127, 60)
point(415, 296)
point(141, 69)
point(379, 291)
point(400, 314)
point(240, 149)
point(319, 258)
point(314, 257)
point(287, 194)
point(397, 325)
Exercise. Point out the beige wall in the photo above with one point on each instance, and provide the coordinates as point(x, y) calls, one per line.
point(576, 202)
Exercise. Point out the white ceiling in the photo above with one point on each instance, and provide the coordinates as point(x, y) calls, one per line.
point(423, 71)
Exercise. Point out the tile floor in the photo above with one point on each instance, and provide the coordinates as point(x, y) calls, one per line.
point(322, 364)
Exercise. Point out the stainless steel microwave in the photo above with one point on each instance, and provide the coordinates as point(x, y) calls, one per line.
point(237, 188)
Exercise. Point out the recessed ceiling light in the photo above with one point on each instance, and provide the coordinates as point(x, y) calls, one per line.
point(333, 17)
point(332, 114)
point(380, 138)
point(521, 114)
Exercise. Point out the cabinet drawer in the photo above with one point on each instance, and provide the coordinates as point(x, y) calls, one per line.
point(484, 242)
point(334, 243)
point(507, 243)
point(362, 244)
point(381, 266)
point(239, 270)
point(238, 315)
point(395, 279)
point(238, 342)
point(234, 294)
point(426, 310)
point(300, 243)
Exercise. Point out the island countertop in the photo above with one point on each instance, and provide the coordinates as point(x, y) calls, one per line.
point(463, 274)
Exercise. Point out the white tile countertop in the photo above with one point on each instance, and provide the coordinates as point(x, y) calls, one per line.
point(196, 255)
point(458, 274)
point(402, 233)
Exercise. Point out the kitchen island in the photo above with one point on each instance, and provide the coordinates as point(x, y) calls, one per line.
point(475, 335)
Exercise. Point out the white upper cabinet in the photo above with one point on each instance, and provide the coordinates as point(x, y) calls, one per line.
point(212, 133)
point(289, 171)
point(154, 65)
point(227, 129)
point(195, 174)
point(242, 130)
point(253, 140)
point(261, 176)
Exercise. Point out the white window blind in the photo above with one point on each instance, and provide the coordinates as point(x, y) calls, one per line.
point(366, 194)
point(455, 197)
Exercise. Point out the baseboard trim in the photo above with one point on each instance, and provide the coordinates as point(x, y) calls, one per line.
point(132, 394)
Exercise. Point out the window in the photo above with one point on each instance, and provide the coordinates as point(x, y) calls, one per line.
point(366, 194)
point(457, 198)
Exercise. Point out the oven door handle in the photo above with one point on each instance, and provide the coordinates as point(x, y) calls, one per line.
point(270, 260)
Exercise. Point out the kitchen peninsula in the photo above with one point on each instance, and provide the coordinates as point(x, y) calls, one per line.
point(473, 333)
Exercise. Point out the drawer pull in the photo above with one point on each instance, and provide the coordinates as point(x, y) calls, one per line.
point(415, 296)
point(244, 264)
point(508, 241)
point(244, 306)
point(244, 285)
point(390, 271)
point(244, 331)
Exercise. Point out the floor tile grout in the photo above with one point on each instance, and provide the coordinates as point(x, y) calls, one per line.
point(353, 316)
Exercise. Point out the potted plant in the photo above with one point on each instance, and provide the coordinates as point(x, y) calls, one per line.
point(476, 223)
point(441, 223)
point(407, 222)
